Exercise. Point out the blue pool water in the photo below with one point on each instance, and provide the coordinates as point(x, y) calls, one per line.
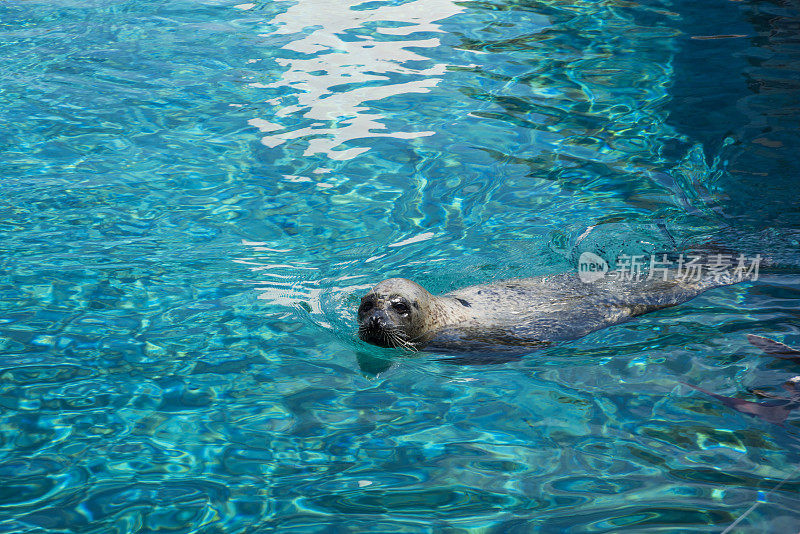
point(195, 194)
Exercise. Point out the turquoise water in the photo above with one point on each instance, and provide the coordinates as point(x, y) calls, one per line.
point(195, 194)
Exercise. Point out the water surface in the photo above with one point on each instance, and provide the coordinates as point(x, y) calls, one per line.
point(196, 194)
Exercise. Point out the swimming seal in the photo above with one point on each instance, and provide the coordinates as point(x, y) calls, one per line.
point(512, 314)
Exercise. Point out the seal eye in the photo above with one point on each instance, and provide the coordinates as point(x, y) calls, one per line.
point(366, 305)
point(401, 308)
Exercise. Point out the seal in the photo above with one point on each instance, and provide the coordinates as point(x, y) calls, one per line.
point(516, 314)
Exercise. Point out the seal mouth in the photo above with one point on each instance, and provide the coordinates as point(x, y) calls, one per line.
point(386, 337)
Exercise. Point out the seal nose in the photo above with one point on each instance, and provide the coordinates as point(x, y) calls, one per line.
point(376, 321)
point(374, 327)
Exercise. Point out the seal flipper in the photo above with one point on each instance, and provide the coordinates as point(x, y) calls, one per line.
point(774, 348)
point(774, 411)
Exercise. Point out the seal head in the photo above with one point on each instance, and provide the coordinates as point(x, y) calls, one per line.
point(395, 314)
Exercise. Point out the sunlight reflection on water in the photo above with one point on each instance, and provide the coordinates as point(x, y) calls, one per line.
point(343, 50)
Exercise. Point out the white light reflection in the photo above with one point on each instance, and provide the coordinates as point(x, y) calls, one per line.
point(319, 79)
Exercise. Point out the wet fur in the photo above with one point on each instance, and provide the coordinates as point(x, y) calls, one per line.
point(511, 315)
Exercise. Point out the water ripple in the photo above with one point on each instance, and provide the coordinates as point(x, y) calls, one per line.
point(196, 194)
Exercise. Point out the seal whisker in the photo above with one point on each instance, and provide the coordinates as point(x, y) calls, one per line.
point(400, 341)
